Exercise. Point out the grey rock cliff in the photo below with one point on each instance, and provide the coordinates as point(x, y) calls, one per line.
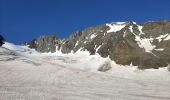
point(49, 43)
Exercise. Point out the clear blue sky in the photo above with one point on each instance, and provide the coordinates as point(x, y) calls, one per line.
point(23, 20)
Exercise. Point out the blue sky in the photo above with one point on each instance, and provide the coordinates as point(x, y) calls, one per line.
point(24, 20)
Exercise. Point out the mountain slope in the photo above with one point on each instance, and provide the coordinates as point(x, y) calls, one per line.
point(144, 45)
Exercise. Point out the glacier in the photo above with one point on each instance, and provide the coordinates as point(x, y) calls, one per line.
point(29, 75)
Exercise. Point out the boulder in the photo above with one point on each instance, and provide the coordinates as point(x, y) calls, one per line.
point(105, 67)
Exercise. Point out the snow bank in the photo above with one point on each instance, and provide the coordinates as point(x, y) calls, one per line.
point(114, 27)
point(19, 49)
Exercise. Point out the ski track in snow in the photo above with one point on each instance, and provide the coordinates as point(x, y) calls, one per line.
point(51, 77)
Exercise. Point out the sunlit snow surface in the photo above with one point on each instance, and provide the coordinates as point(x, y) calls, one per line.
point(114, 27)
point(167, 38)
point(28, 75)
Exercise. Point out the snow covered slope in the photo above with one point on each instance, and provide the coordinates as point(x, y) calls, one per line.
point(35, 76)
point(19, 49)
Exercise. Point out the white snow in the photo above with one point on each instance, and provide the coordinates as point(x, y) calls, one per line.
point(164, 37)
point(104, 34)
point(124, 35)
point(55, 76)
point(145, 43)
point(131, 29)
point(98, 48)
point(19, 49)
point(76, 43)
point(167, 38)
point(93, 36)
point(160, 49)
point(140, 29)
point(114, 27)
point(134, 22)
point(161, 37)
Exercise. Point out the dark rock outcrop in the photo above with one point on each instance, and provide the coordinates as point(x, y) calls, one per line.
point(146, 45)
point(1, 40)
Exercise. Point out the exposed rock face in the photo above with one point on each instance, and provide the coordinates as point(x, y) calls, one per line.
point(144, 45)
point(49, 43)
point(1, 40)
point(70, 43)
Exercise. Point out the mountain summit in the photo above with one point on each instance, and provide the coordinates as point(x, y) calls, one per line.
point(146, 45)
